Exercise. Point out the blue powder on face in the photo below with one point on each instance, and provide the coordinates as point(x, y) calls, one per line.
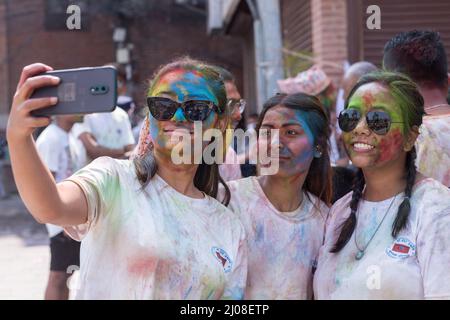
point(310, 122)
point(189, 87)
point(192, 87)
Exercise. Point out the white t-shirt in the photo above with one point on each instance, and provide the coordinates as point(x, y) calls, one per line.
point(154, 243)
point(78, 146)
point(282, 246)
point(433, 148)
point(230, 169)
point(57, 149)
point(111, 129)
point(414, 265)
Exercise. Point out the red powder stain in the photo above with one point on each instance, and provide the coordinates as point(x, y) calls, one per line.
point(390, 145)
point(368, 98)
point(172, 76)
point(142, 265)
point(197, 73)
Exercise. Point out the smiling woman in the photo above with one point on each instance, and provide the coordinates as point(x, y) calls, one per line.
point(150, 229)
point(395, 221)
point(198, 86)
point(284, 213)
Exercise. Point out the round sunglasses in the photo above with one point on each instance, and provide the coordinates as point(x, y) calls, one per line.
point(163, 109)
point(378, 121)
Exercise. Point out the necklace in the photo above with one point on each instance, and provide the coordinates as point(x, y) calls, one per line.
point(361, 252)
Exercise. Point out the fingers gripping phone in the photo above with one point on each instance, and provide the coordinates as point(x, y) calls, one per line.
point(80, 91)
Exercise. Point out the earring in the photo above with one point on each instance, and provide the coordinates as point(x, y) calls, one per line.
point(317, 152)
point(408, 147)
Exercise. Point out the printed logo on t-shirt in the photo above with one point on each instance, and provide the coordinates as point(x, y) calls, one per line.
point(401, 248)
point(223, 258)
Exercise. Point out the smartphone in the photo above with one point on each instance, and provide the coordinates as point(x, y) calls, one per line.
point(80, 91)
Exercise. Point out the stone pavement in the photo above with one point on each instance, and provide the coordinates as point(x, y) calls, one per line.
point(24, 252)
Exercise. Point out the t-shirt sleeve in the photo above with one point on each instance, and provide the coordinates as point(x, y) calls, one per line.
point(98, 181)
point(433, 253)
point(79, 128)
point(128, 137)
point(337, 215)
point(237, 278)
point(50, 152)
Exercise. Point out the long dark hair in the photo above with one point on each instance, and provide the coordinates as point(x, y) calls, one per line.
point(318, 179)
point(407, 96)
point(207, 177)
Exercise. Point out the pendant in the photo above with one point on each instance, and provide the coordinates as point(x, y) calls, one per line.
point(359, 255)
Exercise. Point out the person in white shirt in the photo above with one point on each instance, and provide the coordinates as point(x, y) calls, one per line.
point(284, 214)
point(57, 150)
point(389, 237)
point(231, 169)
point(109, 133)
point(421, 55)
point(150, 228)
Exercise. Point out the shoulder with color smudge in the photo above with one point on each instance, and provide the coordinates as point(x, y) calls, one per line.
point(239, 184)
point(318, 205)
point(343, 201)
point(431, 195)
point(112, 164)
point(225, 213)
point(340, 210)
point(107, 163)
point(242, 193)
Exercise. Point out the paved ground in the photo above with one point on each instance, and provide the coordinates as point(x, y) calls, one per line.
point(24, 252)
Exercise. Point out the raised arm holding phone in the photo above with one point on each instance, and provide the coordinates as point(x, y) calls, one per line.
point(48, 203)
point(150, 228)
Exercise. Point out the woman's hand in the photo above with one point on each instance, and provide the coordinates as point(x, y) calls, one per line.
point(21, 123)
point(64, 204)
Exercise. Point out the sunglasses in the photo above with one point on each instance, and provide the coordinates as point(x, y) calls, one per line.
point(163, 109)
point(236, 104)
point(378, 121)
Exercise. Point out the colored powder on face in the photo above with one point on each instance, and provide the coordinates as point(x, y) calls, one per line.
point(375, 96)
point(390, 145)
point(179, 116)
point(310, 123)
point(304, 118)
point(184, 85)
point(300, 149)
point(368, 98)
point(304, 158)
point(155, 130)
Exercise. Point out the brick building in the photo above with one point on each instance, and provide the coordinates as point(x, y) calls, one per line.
point(35, 30)
point(157, 32)
point(330, 33)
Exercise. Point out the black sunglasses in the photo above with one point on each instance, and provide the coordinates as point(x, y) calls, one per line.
point(163, 109)
point(377, 121)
